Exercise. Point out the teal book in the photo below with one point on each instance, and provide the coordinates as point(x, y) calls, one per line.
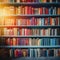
point(11, 1)
point(52, 41)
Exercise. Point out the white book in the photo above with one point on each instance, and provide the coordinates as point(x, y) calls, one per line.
point(18, 1)
point(55, 32)
point(53, 21)
point(5, 31)
point(49, 29)
point(31, 52)
point(30, 41)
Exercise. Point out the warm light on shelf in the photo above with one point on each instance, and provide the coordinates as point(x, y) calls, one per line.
point(4, 11)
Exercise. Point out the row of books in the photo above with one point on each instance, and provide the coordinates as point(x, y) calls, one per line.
point(34, 52)
point(41, 1)
point(13, 10)
point(30, 41)
point(29, 31)
point(30, 21)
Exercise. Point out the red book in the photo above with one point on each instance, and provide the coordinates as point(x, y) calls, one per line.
point(59, 52)
point(56, 21)
point(30, 10)
point(11, 42)
point(35, 22)
point(41, 10)
point(23, 0)
point(28, 0)
point(8, 41)
point(16, 52)
point(27, 41)
point(26, 32)
point(43, 31)
point(46, 21)
point(46, 11)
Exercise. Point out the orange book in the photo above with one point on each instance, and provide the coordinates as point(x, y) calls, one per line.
point(58, 11)
point(26, 9)
point(50, 20)
point(14, 41)
point(28, 22)
point(44, 1)
point(23, 9)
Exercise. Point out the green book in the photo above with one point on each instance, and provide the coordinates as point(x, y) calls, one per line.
point(40, 1)
point(11, 1)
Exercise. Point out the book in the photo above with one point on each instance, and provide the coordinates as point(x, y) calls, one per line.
point(51, 52)
point(18, 1)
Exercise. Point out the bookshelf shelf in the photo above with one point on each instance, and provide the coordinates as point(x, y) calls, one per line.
point(32, 15)
point(32, 3)
point(11, 36)
point(39, 58)
point(29, 26)
point(58, 46)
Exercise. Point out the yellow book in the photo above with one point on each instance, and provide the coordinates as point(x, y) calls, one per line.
point(15, 31)
point(14, 41)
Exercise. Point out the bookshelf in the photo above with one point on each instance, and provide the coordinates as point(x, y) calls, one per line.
point(32, 35)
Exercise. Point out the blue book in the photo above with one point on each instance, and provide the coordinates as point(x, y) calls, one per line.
point(43, 52)
point(51, 10)
point(42, 21)
point(33, 52)
point(42, 42)
point(45, 41)
point(52, 41)
point(28, 52)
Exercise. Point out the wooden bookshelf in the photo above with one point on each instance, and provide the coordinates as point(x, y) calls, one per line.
point(33, 4)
